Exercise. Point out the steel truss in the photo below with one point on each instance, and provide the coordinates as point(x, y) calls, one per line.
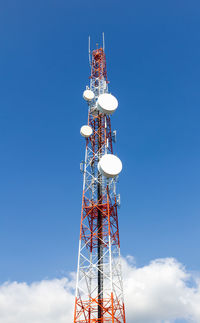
point(99, 288)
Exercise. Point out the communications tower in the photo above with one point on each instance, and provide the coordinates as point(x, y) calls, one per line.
point(99, 287)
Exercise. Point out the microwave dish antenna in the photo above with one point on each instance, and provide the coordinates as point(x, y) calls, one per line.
point(107, 103)
point(110, 165)
point(86, 131)
point(88, 95)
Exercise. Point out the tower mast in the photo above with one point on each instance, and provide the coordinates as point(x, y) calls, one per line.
point(99, 289)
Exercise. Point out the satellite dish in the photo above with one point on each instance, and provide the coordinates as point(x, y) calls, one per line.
point(107, 103)
point(110, 165)
point(86, 131)
point(88, 95)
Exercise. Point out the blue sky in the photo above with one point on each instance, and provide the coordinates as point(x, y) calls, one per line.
point(153, 50)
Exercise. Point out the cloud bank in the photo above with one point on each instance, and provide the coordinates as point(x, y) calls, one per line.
point(162, 291)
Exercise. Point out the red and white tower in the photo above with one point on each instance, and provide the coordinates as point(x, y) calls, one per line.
point(99, 288)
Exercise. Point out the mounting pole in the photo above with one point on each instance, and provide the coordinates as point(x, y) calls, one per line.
point(89, 51)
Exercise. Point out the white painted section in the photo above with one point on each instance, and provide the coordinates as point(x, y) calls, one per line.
point(110, 260)
point(77, 275)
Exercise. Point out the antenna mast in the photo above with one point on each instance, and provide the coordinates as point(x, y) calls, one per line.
point(89, 51)
point(99, 288)
point(103, 42)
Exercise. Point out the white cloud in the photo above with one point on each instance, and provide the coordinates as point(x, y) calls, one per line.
point(162, 291)
point(42, 302)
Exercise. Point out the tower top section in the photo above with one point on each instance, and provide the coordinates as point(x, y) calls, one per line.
point(97, 62)
point(98, 66)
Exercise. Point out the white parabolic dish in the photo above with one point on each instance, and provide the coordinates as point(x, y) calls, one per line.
point(110, 165)
point(88, 95)
point(107, 103)
point(86, 131)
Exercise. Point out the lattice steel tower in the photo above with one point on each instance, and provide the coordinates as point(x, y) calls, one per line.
point(99, 289)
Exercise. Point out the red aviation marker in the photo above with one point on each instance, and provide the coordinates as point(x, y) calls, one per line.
point(99, 288)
